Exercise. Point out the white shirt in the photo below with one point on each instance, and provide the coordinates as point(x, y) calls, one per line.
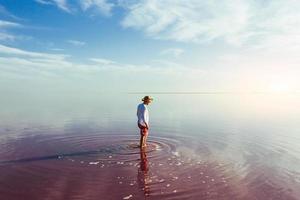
point(142, 114)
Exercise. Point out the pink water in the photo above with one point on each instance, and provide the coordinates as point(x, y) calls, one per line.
point(102, 166)
point(200, 147)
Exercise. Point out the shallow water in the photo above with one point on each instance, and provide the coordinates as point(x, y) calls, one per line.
point(200, 147)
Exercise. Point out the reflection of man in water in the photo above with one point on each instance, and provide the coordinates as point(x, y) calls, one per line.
point(143, 177)
point(143, 120)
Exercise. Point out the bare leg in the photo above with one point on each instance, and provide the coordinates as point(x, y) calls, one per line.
point(141, 140)
point(145, 139)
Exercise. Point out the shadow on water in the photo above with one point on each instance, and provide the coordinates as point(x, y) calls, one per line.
point(56, 156)
point(126, 149)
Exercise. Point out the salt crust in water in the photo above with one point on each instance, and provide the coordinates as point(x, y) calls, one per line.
point(128, 197)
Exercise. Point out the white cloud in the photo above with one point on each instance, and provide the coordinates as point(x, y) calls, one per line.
point(237, 22)
point(189, 20)
point(19, 52)
point(57, 49)
point(172, 52)
point(47, 2)
point(101, 5)
point(5, 26)
point(8, 24)
point(102, 61)
point(62, 4)
point(18, 60)
point(21, 62)
point(76, 42)
point(105, 64)
point(6, 37)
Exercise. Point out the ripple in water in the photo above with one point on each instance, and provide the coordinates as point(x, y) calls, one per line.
point(95, 166)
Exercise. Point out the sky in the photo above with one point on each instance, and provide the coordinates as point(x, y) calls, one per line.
point(149, 46)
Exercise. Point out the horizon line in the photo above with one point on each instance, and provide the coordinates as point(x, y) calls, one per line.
point(218, 92)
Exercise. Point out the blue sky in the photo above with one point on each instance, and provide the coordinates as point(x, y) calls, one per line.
point(150, 45)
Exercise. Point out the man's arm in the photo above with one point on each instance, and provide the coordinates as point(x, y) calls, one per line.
point(144, 113)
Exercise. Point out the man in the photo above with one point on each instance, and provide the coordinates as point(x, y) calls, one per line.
point(143, 119)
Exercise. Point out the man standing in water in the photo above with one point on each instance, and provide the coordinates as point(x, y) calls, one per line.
point(143, 119)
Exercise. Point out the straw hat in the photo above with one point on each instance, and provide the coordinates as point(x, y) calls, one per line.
point(147, 98)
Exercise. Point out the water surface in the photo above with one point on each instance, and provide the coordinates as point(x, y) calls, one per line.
point(214, 146)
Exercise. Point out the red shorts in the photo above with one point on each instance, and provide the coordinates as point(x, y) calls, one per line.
point(144, 129)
